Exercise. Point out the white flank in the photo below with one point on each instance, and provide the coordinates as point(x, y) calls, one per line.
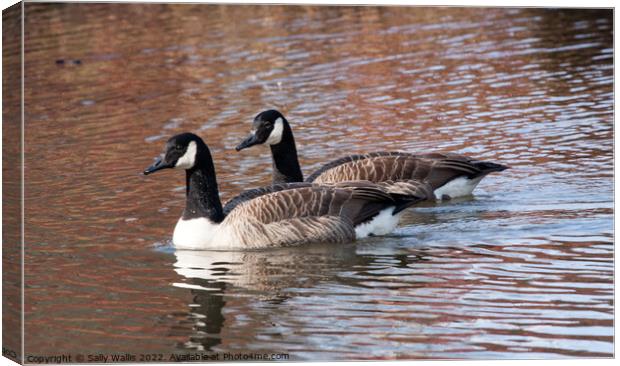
point(202, 234)
point(381, 224)
point(194, 233)
point(187, 160)
point(276, 135)
point(459, 187)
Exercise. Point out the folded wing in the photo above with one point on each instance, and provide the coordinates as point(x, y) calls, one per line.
point(435, 169)
point(291, 214)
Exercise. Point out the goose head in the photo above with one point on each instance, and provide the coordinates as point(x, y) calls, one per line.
point(180, 152)
point(267, 128)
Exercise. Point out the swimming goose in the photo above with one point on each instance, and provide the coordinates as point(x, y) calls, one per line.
point(449, 175)
point(280, 215)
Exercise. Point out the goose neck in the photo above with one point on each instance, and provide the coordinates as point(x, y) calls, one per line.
point(286, 167)
point(202, 195)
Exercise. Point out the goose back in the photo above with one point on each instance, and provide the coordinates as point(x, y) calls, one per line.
point(299, 213)
point(387, 168)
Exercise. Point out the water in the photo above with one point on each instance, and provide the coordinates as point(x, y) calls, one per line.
point(522, 270)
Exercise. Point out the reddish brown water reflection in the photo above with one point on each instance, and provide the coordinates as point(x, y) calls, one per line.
point(523, 270)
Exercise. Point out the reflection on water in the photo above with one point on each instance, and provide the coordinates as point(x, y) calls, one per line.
point(523, 270)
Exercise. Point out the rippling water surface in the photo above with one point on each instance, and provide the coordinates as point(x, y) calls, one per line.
point(522, 270)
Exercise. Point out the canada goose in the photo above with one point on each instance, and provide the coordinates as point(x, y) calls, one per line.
point(279, 215)
point(449, 175)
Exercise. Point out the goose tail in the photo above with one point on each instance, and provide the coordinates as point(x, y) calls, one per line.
point(487, 167)
point(404, 202)
point(418, 192)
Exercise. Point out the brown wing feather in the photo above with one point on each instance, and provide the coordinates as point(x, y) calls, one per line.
point(309, 213)
point(344, 199)
point(411, 188)
point(435, 169)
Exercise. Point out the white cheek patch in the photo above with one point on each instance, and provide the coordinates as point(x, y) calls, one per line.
point(276, 135)
point(187, 160)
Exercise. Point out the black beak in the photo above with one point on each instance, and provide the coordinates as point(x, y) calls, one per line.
point(249, 141)
point(159, 165)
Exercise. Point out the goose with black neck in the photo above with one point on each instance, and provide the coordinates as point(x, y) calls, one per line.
point(280, 215)
point(449, 175)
